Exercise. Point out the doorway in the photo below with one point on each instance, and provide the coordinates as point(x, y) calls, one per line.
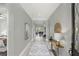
point(40, 32)
point(3, 30)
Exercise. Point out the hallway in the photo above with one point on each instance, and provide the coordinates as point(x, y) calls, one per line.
point(37, 29)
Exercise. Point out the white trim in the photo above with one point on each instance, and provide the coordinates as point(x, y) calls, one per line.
point(25, 51)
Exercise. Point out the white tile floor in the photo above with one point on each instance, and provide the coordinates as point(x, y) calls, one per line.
point(39, 48)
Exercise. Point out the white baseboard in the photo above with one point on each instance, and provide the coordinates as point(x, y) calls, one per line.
point(25, 50)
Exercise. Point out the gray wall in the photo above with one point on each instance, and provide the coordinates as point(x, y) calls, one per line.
point(17, 18)
point(62, 13)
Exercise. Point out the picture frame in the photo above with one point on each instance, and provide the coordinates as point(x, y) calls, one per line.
point(26, 31)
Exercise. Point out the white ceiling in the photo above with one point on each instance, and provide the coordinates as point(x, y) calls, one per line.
point(40, 11)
